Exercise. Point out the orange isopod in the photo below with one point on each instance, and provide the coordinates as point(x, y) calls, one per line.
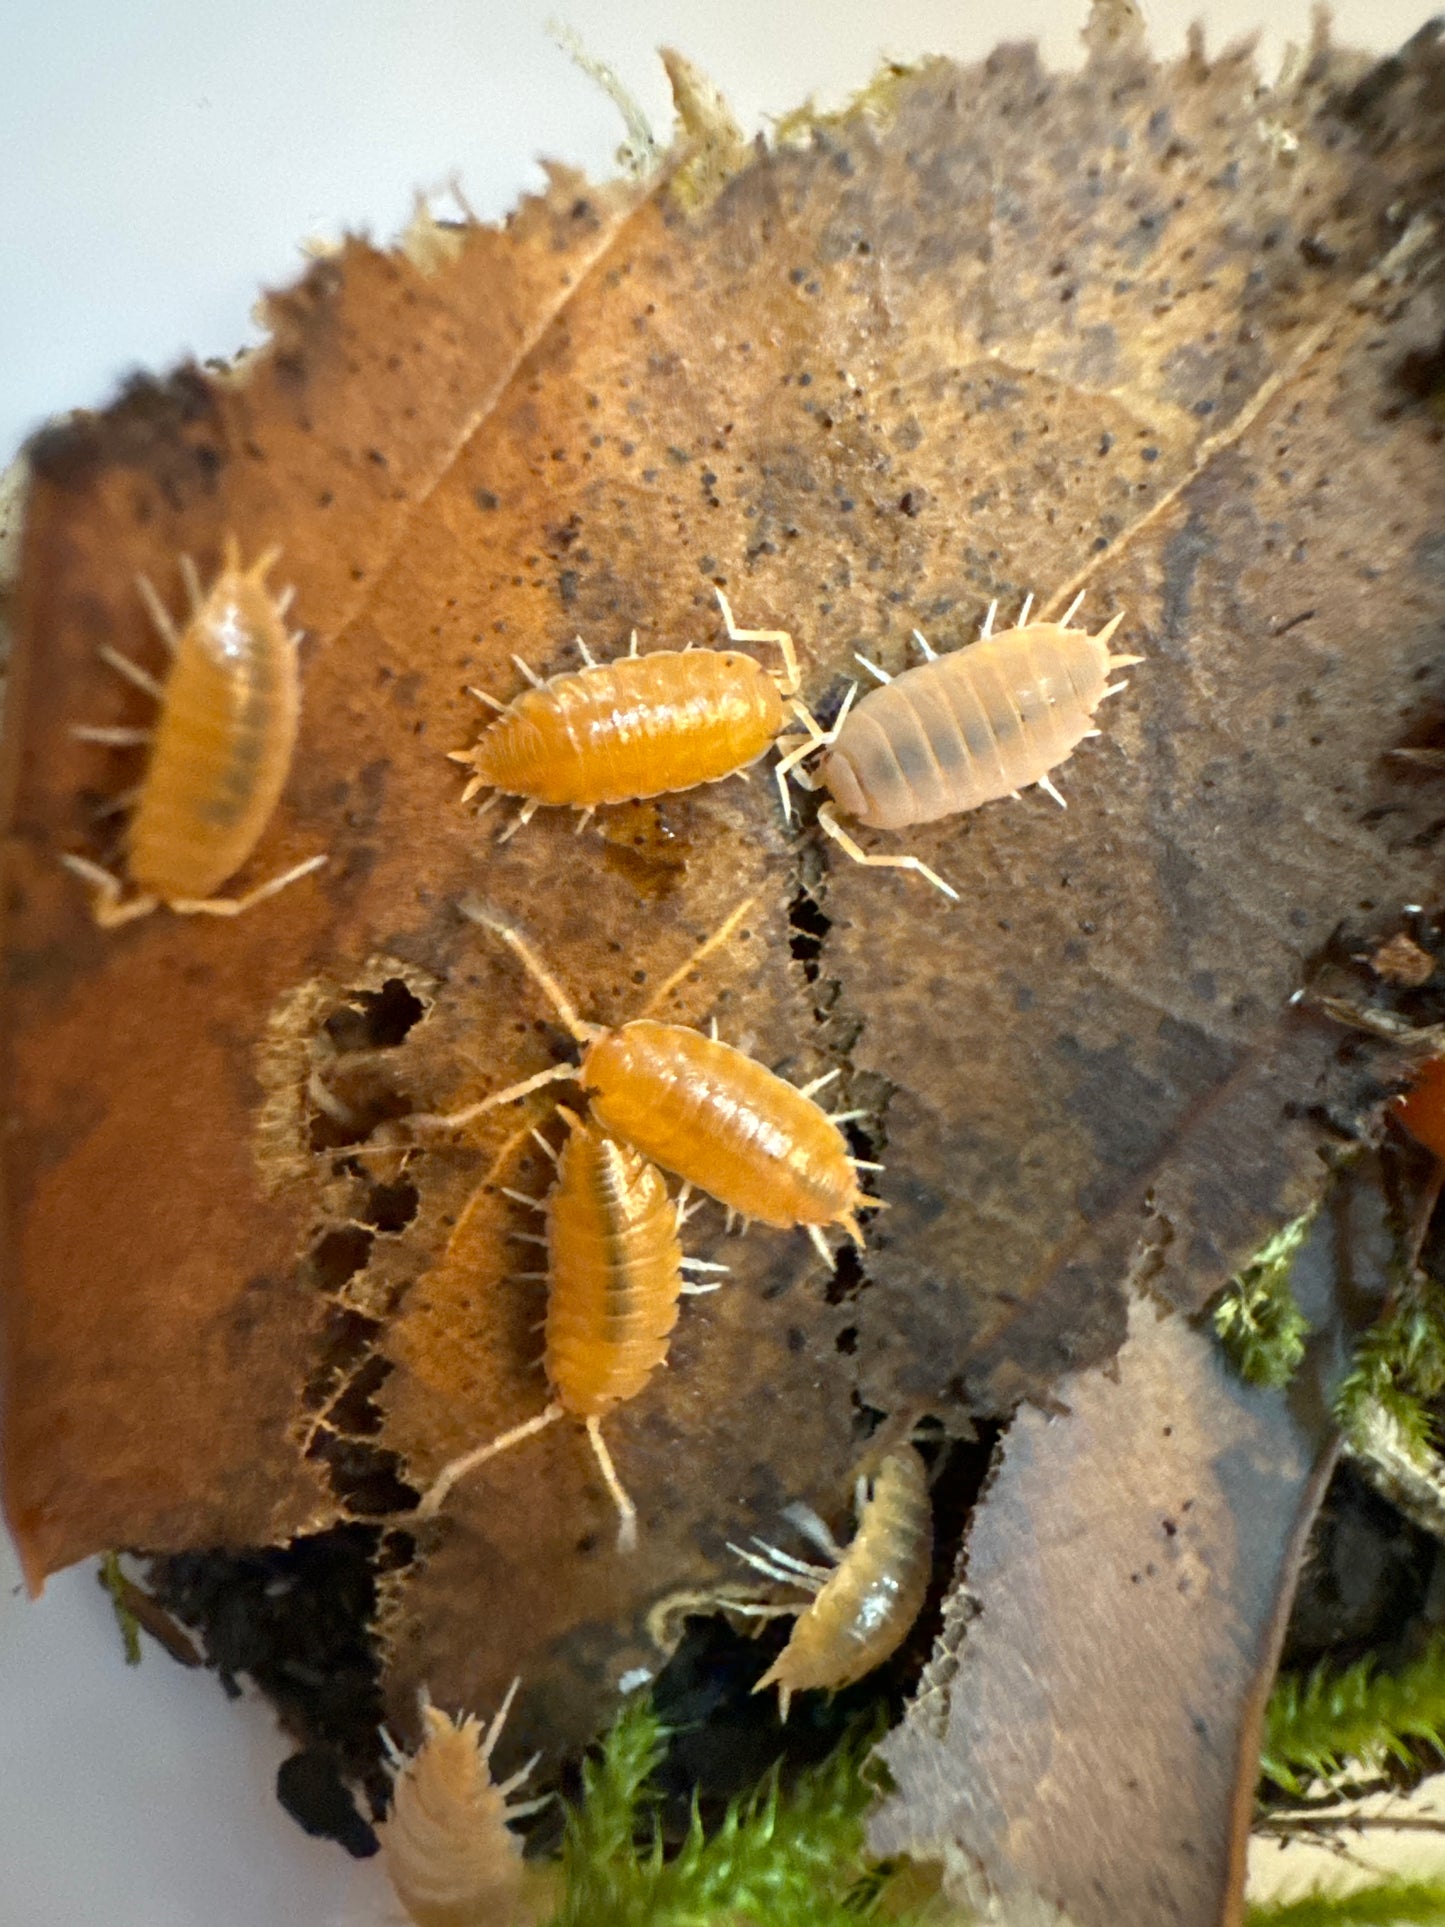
point(621, 731)
point(220, 751)
point(870, 1593)
point(703, 1110)
point(961, 730)
point(448, 1848)
point(614, 1272)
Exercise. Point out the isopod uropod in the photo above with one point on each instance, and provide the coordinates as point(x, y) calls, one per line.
point(614, 1274)
point(869, 1595)
point(450, 1854)
point(219, 753)
point(620, 731)
point(703, 1110)
point(961, 730)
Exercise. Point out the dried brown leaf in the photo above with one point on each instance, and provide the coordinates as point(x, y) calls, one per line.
point(1139, 329)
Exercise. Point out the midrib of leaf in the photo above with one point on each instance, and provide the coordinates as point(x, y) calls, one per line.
point(420, 497)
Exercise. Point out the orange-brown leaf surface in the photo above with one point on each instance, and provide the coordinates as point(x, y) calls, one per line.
point(1151, 331)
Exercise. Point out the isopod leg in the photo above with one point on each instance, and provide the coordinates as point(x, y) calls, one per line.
point(132, 671)
point(626, 1510)
point(792, 675)
point(434, 1497)
point(780, 776)
point(809, 1090)
point(160, 615)
point(813, 1577)
point(231, 559)
point(805, 1520)
point(112, 738)
point(454, 1120)
point(533, 965)
point(235, 906)
point(499, 1720)
point(831, 825)
point(106, 905)
point(524, 816)
point(781, 1570)
point(719, 937)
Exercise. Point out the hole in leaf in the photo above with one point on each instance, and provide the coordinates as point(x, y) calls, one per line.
point(808, 926)
point(391, 1207)
point(337, 1256)
point(346, 1339)
point(365, 1479)
point(847, 1280)
point(375, 1019)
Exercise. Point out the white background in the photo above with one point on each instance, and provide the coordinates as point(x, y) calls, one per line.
point(159, 160)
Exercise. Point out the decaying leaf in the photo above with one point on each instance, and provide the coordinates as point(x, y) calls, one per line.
point(156, 1317)
point(1084, 1747)
point(1139, 330)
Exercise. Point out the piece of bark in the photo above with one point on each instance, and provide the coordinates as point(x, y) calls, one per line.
point(1085, 1744)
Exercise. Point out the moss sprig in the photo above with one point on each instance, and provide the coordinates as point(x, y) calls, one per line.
point(1399, 1367)
point(782, 1856)
point(118, 1586)
point(1344, 1725)
point(1258, 1318)
point(1393, 1903)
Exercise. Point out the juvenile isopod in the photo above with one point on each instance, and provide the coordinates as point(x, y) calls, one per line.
point(701, 1109)
point(868, 1596)
point(961, 730)
point(449, 1850)
point(621, 731)
point(614, 1274)
point(219, 753)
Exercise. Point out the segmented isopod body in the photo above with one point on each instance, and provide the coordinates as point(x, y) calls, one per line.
point(866, 1603)
point(703, 1110)
point(614, 1276)
point(716, 1117)
point(220, 751)
point(615, 1266)
point(638, 727)
point(449, 1852)
point(961, 730)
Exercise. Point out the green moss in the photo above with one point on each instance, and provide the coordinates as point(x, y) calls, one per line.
point(1334, 1725)
point(782, 1856)
point(1258, 1318)
point(1399, 1367)
point(117, 1585)
point(1395, 1903)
